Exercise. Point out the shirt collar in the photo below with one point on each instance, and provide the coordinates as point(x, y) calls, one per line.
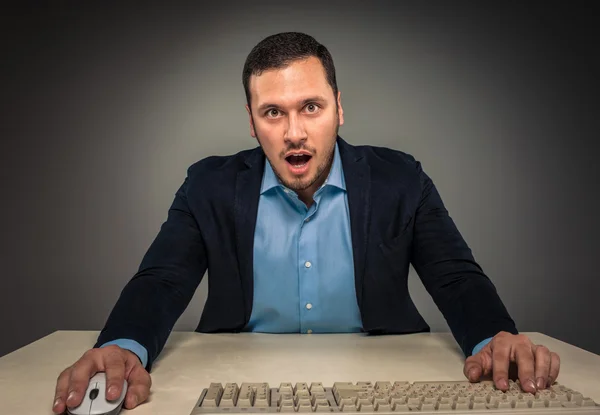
point(335, 177)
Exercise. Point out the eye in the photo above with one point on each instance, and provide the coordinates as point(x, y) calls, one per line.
point(272, 112)
point(312, 107)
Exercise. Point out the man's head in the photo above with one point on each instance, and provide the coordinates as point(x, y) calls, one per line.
point(294, 107)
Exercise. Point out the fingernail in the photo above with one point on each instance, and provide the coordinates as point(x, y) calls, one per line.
point(112, 391)
point(531, 384)
point(71, 395)
point(503, 384)
point(135, 400)
point(550, 381)
point(540, 383)
point(472, 373)
point(56, 402)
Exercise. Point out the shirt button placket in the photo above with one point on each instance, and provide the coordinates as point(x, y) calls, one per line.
point(308, 306)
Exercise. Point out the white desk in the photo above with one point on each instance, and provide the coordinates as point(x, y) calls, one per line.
point(191, 361)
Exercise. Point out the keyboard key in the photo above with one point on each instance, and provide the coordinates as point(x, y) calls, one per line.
point(343, 385)
point(246, 396)
point(366, 400)
point(285, 387)
point(213, 396)
point(301, 386)
point(316, 387)
point(461, 406)
point(575, 396)
point(383, 385)
point(398, 400)
point(350, 400)
point(554, 404)
point(522, 404)
point(400, 407)
point(321, 402)
point(230, 394)
point(261, 401)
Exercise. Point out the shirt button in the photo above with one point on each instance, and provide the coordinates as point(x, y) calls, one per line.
point(307, 264)
point(308, 306)
point(309, 331)
point(306, 220)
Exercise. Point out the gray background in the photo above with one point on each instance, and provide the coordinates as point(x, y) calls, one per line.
point(105, 106)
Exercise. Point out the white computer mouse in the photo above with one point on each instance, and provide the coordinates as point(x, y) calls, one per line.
point(94, 401)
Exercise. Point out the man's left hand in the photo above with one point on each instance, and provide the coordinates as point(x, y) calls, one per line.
point(537, 366)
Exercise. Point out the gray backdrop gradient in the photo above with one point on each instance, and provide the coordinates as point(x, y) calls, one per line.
point(105, 107)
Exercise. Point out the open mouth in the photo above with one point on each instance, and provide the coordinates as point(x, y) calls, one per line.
point(298, 161)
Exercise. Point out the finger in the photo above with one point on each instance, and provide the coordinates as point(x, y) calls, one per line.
point(474, 367)
point(554, 368)
point(542, 366)
point(60, 395)
point(500, 364)
point(114, 366)
point(526, 368)
point(79, 380)
point(131, 361)
point(138, 390)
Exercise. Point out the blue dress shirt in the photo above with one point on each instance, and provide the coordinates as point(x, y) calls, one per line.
point(303, 262)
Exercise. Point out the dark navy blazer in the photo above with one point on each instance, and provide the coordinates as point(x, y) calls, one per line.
point(397, 218)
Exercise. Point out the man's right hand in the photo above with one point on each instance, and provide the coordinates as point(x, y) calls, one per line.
point(117, 363)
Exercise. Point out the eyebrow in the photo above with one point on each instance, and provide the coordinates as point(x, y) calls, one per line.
point(316, 98)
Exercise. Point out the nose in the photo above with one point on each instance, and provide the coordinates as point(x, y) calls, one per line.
point(295, 133)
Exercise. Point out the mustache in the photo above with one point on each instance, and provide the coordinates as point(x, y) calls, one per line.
point(293, 147)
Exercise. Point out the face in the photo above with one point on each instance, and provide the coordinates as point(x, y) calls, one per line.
point(295, 117)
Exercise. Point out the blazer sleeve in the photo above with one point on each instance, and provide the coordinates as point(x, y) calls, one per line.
point(159, 292)
point(457, 284)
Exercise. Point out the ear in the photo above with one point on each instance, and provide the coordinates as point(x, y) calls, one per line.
point(340, 109)
point(252, 132)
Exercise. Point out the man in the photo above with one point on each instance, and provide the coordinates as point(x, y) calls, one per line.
point(305, 233)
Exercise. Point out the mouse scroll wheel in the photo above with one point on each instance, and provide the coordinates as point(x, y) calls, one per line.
point(94, 393)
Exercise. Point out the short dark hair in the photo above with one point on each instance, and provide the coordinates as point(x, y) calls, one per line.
point(279, 50)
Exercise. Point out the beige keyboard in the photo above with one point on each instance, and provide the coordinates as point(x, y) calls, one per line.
point(391, 397)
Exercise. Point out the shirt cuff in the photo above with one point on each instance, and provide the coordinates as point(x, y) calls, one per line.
point(481, 345)
point(133, 346)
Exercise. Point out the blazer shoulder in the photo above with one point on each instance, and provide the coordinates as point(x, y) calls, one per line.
point(386, 160)
point(219, 165)
point(215, 176)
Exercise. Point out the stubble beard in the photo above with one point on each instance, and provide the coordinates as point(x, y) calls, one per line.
point(300, 184)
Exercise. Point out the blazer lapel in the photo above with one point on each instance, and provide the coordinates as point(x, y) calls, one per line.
point(357, 174)
point(247, 194)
